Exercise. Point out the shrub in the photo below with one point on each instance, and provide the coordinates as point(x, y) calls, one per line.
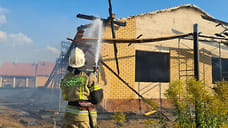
point(119, 118)
point(196, 105)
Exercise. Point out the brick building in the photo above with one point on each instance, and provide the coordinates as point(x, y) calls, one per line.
point(24, 75)
point(149, 67)
point(44, 70)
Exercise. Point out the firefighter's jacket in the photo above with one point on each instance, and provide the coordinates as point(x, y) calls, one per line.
point(81, 87)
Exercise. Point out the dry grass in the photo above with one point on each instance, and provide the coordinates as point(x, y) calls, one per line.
point(7, 120)
point(12, 119)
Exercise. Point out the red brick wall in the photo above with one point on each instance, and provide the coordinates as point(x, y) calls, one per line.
point(130, 105)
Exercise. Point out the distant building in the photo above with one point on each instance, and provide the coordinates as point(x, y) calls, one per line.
point(24, 75)
point(44, 69)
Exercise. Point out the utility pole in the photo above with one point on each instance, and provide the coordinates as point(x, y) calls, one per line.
point(220, 63)
point(196, 52)
point(196, 69)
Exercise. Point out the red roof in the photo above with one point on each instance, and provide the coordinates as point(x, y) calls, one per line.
point(45, 68)
point(17, 69)
point(26, 69)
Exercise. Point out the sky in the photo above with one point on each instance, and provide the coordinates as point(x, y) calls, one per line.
point(32, 30)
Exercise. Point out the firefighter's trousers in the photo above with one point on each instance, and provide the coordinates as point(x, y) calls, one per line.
point(76, 118)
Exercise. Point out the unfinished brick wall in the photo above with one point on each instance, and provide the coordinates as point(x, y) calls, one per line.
point(186, 67)
point(114, 88)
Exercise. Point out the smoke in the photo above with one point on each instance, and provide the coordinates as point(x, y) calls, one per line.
point(53, 50)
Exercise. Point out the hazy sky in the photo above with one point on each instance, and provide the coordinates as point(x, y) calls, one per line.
point(31, 30)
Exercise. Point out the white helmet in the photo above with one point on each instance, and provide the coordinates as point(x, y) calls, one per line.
point(77, 58)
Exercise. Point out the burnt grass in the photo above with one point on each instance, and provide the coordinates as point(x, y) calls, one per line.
point(40, 108)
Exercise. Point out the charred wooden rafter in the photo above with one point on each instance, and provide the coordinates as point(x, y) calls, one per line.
point(110, 40)
point(105, 21)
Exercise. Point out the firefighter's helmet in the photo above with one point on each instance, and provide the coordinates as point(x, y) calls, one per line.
point(77, 58)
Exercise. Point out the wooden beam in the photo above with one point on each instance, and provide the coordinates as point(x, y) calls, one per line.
point(122, 40)
point(213, 37)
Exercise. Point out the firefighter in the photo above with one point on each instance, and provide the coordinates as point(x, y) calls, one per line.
point(82, 91)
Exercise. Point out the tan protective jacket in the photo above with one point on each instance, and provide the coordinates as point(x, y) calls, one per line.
point(78, 88)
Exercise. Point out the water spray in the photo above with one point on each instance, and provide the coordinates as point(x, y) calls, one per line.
point(96, 31)
point(99, 24)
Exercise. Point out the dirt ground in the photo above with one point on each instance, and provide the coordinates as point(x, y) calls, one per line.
point(15, 118)
point(38, 108)
point(11, 118)
point(127, 124)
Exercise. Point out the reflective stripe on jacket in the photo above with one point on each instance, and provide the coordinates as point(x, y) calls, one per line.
point(79, 112)
point(95, 88)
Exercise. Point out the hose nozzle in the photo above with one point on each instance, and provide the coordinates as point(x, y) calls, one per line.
point(96, 67)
